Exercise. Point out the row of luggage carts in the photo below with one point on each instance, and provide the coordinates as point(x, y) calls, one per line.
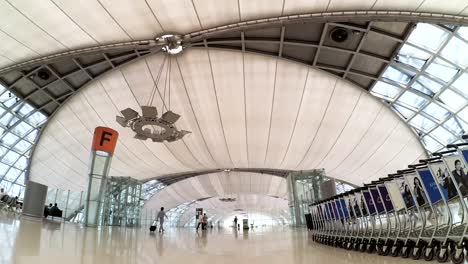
point(419, 212)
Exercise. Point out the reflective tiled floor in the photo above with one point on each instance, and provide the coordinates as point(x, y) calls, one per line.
point(31, 241)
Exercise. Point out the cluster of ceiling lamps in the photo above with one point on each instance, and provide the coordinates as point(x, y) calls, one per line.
point(149, 125)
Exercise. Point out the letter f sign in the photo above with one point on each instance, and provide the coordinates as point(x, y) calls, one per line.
point(105, 139)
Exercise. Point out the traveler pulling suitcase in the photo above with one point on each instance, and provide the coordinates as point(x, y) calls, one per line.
point(153, 227)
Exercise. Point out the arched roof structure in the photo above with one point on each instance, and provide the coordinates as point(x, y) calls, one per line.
point(55, 34)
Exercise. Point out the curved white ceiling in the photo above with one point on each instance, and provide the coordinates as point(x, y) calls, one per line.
point(222, 184)
point(46, 27)
point(244, 111)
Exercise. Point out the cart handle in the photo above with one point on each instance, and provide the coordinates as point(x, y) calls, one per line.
point(443, 152)
point(425, 161)
point(465, 136)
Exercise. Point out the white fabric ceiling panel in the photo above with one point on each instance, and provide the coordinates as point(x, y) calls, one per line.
point(260, 8)
point(15, 25)
point(216, 182)
point(192, 150)
point(125, 12)
point(47, 16)
point(450, 7)
point(48, 27)
point(403, 5)
point(211, 15)
point(184, 191)
point(304, 6)
point(229, 85)
point(377, 135)
point(346, 5)
point(179, 16)
point(409, 152)
point(12, 50)
point(326, 119)
point(205, 182)
point(197, 75)
point(288, 90)
point(198, 186)
point(259, 82)
point(94, 19)
point(384, 154)
point(366, 112)
point(340, 109)
point(317, 94)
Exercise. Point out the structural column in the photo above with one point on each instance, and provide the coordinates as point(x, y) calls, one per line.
point(103, 147)
point(34, 199)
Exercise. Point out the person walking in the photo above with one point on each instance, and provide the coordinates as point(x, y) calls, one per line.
point(161, 215)
point(235, 221)
point(204, 222)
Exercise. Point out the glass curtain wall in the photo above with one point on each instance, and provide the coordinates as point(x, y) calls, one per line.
point(19, 126)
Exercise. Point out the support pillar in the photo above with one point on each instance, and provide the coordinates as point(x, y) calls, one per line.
point(34, 199)
point(103, 147)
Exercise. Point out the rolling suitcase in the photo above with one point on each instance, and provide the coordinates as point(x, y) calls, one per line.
point(153, 227)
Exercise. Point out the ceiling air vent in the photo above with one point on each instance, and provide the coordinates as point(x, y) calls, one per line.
point(339, 34)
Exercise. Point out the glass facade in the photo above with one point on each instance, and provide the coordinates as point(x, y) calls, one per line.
point(19, 127)
point(426, 84)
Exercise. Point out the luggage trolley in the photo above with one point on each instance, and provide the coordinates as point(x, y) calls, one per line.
point(391, 223)
point(456, 163)
point(414, 203)
point(428, 197)
point(382, 216)
point(371, 238)
point(396, 189)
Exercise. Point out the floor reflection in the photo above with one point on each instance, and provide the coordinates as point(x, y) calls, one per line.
point(32, 241)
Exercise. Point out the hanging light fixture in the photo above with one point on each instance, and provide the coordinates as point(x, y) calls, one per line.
point(148, 124)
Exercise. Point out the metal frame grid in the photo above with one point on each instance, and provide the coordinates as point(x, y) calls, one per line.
point(431, 99)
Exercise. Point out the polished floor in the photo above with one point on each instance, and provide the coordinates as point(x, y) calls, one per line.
point(29, 241)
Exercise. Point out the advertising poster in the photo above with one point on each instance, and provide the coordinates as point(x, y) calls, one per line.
point(335, 210)
point(430, 184)
point(395, 194)
point(442, 175)
point(369, 202)
point(457, 168)
point(355, 203)
point(377, 200)
point(387, 201)
point(417, 189)
point(348, 201)
point(327, 211)
point(344, 208)
point(405, 192)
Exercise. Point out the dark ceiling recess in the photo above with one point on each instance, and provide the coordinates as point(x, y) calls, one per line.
point(339, 34)
point(43, 74)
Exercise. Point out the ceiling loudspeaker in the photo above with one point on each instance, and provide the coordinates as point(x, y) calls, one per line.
point(339, 34)
point(43, 74)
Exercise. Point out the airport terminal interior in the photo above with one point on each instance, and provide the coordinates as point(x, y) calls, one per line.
point(233, 131)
